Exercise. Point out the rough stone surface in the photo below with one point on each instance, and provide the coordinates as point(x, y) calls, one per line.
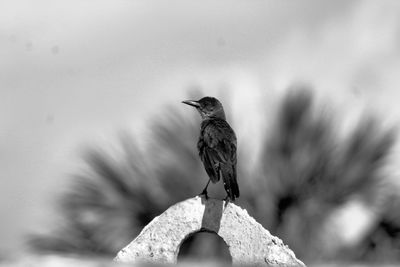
point(248, 241)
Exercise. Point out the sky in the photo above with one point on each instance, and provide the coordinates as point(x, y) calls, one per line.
point(74, 73)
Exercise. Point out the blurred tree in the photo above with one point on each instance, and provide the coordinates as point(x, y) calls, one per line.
point(108, 205)
point(307, 172)
point(304, 173)
point(382, 244)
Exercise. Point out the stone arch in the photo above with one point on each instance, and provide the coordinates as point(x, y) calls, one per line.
point(247, 240)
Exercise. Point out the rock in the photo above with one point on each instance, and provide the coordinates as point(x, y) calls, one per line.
point(248, 242)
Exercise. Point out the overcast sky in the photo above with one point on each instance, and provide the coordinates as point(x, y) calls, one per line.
point(76, 72)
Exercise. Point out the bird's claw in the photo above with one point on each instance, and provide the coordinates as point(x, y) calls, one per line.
point(204, 193)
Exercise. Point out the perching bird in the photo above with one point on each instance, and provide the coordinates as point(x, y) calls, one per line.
point(216, 145)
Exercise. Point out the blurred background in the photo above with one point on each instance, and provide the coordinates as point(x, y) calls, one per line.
point(94, 141)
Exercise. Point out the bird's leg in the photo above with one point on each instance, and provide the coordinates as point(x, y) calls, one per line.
point(204, 192)
point(227, 198)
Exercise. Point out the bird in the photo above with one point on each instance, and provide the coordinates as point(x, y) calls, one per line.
point(216, 145)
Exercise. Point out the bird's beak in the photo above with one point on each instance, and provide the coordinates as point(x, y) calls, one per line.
point(192, 103)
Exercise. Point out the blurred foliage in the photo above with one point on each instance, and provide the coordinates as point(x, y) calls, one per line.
point(308, 172)
point(383, 243)
point(108, 205)
point(305, 172)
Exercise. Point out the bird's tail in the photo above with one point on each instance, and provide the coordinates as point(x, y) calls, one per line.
point(230, 183)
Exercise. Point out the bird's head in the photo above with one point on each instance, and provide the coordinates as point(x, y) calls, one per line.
point(208, 107)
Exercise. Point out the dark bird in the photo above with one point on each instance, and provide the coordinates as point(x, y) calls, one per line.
point(216, 145)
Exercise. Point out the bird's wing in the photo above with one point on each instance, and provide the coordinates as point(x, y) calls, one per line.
point(217, 146)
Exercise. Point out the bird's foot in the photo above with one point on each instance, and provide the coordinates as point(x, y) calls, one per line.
point(204, 193)
point(227, 199)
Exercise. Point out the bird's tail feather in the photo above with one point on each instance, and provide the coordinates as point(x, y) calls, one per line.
point(230, 184)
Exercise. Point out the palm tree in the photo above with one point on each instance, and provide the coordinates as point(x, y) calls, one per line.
point(109, 203)
point(307, 172)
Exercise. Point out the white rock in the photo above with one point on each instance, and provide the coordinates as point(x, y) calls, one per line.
point(248, 242)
